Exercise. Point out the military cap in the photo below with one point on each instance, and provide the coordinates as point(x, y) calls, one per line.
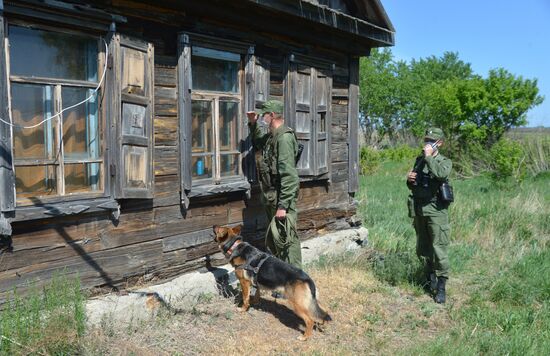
point(434, 133)
point(269, 106)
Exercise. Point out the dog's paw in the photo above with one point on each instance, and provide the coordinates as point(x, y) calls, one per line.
point(243, 309)
point(302, 338)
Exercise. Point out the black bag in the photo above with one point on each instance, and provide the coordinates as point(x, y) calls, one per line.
point(446, 193)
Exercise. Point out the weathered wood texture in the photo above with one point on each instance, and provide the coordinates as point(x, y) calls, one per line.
point(156, 238)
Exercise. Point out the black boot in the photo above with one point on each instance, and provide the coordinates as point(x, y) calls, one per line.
point(440, 296)
point(431, 283)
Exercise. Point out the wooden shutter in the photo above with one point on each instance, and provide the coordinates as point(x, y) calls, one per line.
point(311, 89)
point(261, 80)
point(255, 95)
point(7, 178)
point(184, 116)
point(303, 118)
point(353, 126)
point(134, 84)
point(322, 89)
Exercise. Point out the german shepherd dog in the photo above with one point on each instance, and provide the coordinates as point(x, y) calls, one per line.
point(266, 272)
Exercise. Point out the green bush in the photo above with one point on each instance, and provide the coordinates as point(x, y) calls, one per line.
point(399, 153)
point(47, 321)
point(369, 160)
point(398, 266)
point(508, 160)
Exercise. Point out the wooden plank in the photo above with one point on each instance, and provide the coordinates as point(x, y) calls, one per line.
point(166, 101)
point(187, 240)
point(109, 267)
point(7, 176)
point(353, 125)
point(339, 133)
point(339, 152)
point(165, 76)
point(166, 130)
point(166, 160)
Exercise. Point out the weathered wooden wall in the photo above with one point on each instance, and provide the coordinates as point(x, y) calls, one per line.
point(153, 239)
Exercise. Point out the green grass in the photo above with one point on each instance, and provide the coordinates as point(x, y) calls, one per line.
point(499, 253)
point(45, 321)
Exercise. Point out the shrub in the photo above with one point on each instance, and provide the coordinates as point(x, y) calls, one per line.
point(369, 160)
point(400, 265)
point(47, 321)
point(399, 153)
point(508, 160)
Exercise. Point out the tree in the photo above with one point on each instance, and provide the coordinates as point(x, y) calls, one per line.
point(442, 91)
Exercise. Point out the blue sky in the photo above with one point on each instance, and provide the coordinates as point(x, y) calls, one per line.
point(488, 34)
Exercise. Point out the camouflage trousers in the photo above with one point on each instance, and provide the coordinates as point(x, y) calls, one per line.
point(433, 234)
point(281, 237)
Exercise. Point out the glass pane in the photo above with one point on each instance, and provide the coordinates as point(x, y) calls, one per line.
point(201, 111)
point(85, 177)
point(229, 165)
point(303, 122)
point(202, 167)
point(33, 181)
point(321, 122)
point(30, 105)
point(229, 126)
point(135, 161)
point(303, 163)
point(303, 88)
point(52, 54)
point(81, 134)
point(215, 74)
point(133, 120)
point(133, 71)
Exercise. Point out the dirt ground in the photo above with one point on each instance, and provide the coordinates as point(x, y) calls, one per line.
point(369, 317)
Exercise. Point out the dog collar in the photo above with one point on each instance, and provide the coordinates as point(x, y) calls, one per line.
point(229, 246)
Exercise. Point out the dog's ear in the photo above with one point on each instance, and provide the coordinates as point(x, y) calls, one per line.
point(237, 229)
point(216, 229)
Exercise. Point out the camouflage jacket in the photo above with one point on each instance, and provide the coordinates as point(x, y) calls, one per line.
point(277, 165)
point(431, 172)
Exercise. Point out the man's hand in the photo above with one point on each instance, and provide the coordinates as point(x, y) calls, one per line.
point(252, 117)
point(428, 150)
point(280, 214)
point(411, 177)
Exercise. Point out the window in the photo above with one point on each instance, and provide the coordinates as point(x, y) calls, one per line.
point(213, 96)
point(215, 111)
point(311, 107)
point(62, 156)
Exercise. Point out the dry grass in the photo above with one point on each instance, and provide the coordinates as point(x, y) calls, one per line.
point(370, 317)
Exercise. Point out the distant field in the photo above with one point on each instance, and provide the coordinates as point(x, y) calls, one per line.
point(525, 132)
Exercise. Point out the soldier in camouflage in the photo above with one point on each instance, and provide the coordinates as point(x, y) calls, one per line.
point(279, 180)
point(430, 213)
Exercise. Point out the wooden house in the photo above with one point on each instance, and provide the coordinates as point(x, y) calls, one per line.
point(124, 136)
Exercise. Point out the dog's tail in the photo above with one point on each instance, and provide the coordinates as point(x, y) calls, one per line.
point(319, 313)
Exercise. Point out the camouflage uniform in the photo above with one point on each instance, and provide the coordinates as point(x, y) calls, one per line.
point(279, 183)
point(430, 214)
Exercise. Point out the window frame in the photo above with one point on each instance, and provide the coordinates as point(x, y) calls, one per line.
point(189, 187)
point(58, 85)
point(215, 97)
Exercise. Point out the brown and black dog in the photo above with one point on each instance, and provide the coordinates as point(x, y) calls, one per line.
point(266, 272)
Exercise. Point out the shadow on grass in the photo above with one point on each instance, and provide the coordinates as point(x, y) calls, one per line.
point(280, 311)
